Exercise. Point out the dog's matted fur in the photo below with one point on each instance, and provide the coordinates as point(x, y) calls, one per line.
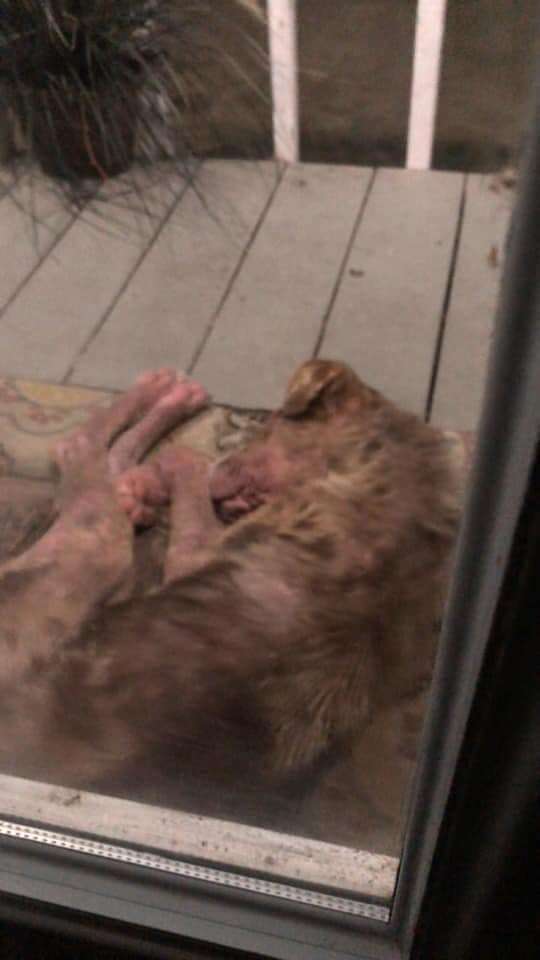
point(301, 590)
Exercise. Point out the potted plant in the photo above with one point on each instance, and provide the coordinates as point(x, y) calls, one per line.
point(79, 75)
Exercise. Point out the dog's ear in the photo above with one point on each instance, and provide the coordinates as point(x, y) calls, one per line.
point(319, 386)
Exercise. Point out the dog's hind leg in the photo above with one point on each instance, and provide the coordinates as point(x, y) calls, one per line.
point(47, 592)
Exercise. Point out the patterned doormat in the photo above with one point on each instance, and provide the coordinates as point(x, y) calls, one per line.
point(34, 415)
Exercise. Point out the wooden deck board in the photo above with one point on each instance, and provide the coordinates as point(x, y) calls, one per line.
point(386, 317)
point(164, 312)
point(24, 243)
point(469, 325)
point(236, 280)
point(64, 299)
point(271, 320)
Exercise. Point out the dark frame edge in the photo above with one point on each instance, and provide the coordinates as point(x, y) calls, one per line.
point(508, 438)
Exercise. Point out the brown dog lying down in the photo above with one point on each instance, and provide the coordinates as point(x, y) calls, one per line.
point(302, 583)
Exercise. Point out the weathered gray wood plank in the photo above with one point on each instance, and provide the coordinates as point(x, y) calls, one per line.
point(271, 320)
point(49, 321)
point(32, 218)
point(163, 314)
point(469, 325)
point(386, 316)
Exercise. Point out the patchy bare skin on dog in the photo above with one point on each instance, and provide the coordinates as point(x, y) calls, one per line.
point(302, 583)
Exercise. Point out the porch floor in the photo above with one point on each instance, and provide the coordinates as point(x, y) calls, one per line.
point(249, 270)
point(237, 278)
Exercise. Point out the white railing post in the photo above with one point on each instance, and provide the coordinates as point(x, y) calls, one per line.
point(428, 44)
point(282, 28)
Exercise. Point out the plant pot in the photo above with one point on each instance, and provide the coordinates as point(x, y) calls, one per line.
point(87, 132)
